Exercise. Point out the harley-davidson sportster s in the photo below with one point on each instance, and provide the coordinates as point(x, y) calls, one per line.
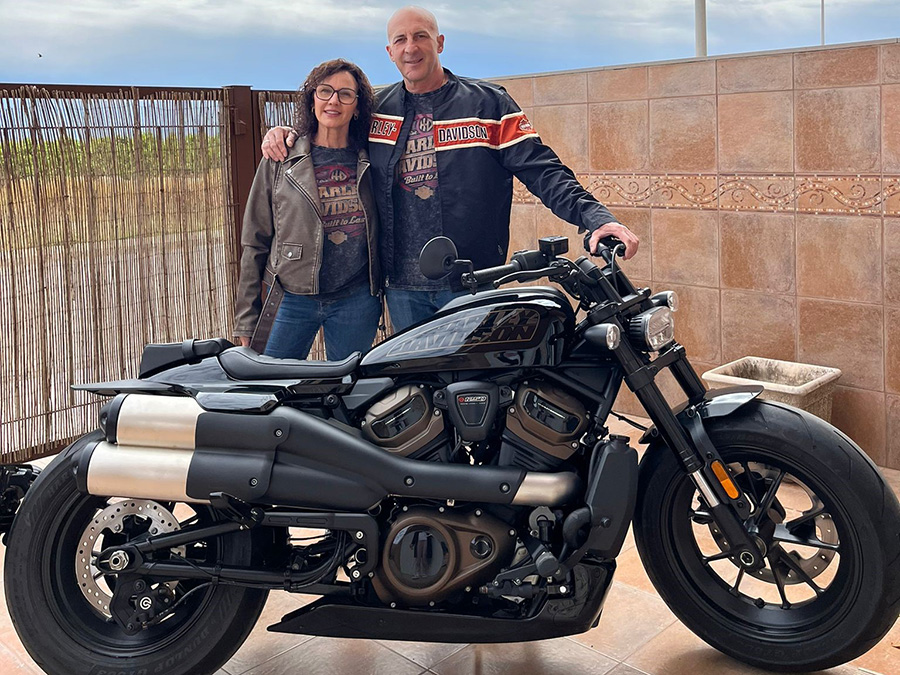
point(457, 483)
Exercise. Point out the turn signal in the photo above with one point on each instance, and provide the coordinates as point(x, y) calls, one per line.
point(725, 480)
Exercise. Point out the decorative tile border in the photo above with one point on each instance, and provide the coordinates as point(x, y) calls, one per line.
point(692, 192)
point(756, 193)
point(891, 195)
point(869, 195)
point(861, 195)
point(618, 190)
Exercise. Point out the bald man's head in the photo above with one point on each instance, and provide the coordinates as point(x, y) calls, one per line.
point(414, 44)
point(413, 11)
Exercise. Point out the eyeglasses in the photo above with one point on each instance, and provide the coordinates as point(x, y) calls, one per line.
point(324, 92)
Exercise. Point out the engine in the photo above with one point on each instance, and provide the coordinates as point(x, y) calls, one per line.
point(431, 552)
point(537, 427)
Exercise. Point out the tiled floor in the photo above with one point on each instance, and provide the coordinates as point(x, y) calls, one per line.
point(637, 634)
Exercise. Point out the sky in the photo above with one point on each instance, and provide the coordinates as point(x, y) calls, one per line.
point(272, 44)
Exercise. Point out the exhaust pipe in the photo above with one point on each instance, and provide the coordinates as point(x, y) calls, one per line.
point(168, 448)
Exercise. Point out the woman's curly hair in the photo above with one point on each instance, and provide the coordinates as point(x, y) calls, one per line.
point(305, 122)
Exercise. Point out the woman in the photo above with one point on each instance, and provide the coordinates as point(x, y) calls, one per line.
point(310, 226)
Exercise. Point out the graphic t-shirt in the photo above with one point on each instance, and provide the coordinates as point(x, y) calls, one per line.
point(345, 259)
point(417, 205)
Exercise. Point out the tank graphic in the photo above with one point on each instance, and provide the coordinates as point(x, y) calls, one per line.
point(507, 330)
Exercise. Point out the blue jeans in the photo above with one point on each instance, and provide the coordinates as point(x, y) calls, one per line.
point(350, 324)
point(409, 307)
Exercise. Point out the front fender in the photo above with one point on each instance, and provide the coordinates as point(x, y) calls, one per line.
point(715, 403)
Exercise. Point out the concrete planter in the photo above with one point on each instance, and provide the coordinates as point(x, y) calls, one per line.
point(801, 385)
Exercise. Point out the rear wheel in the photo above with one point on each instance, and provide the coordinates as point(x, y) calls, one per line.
point(829, 525)
point(60, 602)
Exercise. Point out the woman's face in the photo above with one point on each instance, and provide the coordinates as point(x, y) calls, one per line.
point(332, 114)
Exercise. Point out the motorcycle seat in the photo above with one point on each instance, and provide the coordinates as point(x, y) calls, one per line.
point(242, 363)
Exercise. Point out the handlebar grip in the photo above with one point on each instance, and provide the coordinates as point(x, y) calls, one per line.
point(490, 274)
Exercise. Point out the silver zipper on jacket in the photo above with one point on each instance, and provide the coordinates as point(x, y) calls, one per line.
point(362, 205)
point(317, 265)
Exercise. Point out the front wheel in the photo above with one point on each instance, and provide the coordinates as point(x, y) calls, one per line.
point(60, 603)
point(829, 524)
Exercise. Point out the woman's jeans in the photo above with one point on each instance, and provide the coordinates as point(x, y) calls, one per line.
point(350, 324)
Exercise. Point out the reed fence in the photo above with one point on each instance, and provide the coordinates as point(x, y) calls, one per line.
point(116, 230)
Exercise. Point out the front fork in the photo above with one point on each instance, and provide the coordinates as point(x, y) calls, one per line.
point(683, 431)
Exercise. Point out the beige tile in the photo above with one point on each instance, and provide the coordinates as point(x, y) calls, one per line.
point(893, 436)
point(425, 654)
point(619, 136)
point(261, 645)
point(836, 68)
point(757, 324)
point(630, 619)
point(619, 84)
point(522, 232)
point(846, 336)
point(755, 73)
point(327, 656)
point(757, 251)
point(682, 79)
point(839, 257)
point(890, 63)
point(622, 669)
point(520, 88)
point(890, 129)
point(630, 572)
point(838, 130)
point(546, 657)
point(683, 134)
point(697, 322)
point(638, 221)
point(892, 349)
point(892, 261)
point(555, 89)
point(756, 132)
point(685, 247)
point(884, 657)
point(564, 128)
point(861, 415)
point(677, 651)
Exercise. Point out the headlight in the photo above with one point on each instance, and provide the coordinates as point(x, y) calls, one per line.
point(655, 328)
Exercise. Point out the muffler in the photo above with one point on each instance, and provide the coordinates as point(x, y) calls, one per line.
point(169, 448)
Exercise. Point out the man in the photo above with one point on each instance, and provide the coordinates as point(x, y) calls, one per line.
point(443, 151)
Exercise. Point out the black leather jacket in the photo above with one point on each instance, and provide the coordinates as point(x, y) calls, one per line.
point(482, 139)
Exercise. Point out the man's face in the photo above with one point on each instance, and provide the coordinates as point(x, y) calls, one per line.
point(414, 45)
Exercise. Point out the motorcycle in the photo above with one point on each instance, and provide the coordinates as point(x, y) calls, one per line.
point(457, 483)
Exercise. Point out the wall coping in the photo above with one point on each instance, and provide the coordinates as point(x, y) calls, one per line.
point(699, 59)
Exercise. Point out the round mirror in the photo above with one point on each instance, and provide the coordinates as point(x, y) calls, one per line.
point(437, 258)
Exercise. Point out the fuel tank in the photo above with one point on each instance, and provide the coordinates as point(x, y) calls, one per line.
point(505, 328)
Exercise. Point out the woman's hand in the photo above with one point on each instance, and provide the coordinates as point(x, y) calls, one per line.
point(245, 341)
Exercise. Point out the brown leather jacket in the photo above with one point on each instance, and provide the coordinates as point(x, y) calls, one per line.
point(282, 236)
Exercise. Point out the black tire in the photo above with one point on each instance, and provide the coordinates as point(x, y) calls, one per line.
point(856, 521)
point(67, 635)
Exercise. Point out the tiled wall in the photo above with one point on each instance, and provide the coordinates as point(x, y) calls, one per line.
point(766, 191)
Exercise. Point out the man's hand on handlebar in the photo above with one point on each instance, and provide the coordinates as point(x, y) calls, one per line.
point(276, 143)
point(616, 230)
